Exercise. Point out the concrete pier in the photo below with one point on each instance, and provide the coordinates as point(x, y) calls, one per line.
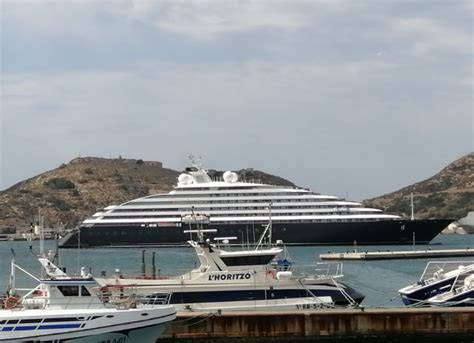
point(346, 325)
point(394, 255)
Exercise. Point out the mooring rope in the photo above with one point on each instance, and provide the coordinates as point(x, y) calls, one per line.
point(206, 317)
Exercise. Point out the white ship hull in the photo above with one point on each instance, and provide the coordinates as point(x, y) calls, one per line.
point(80, 325)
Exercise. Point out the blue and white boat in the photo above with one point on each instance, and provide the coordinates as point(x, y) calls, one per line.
point(460, 295)
point(249, 279)
point(437, 278)
point(72, 309)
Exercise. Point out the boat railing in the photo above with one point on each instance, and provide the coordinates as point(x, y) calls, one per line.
point(320, 270)
point(437, 270)
point(155, 299)
point(328, 269)
point(126, 296)
point(109, 297)
point(42, 302)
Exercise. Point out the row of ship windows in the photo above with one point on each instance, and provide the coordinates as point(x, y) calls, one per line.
point(148, 231)
point(345, 220)
point(186, 208)
point(254, 214)
point(247, 195)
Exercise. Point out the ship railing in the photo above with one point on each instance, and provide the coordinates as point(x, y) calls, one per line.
point(126, 296)
point(117, 295)
point(320, 270)
point(155, 299)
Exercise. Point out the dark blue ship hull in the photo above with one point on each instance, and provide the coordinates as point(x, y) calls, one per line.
point(330, 233)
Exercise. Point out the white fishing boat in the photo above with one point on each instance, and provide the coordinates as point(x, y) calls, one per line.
point(71, 309)
point(438, 278)
point(257, 278)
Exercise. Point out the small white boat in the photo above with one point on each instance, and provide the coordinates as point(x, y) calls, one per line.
point(461, 294)
point(249, 279)
point(70, 309)
point(438, 278)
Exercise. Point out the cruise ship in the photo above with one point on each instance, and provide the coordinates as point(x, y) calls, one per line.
point(241, 209)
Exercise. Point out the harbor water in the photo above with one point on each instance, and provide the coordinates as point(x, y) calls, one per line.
point(377, 280)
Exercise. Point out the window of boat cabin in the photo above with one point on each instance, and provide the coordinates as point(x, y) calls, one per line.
point(69, 291)
point(247, 260)
point(73, 291)
point(85, 292)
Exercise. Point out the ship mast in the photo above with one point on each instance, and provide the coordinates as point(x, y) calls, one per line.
point(196, 161)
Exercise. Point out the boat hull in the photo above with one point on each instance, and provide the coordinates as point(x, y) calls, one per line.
point(276, 295)
point(463, 299)
point(77, 326)
point(421, 294)
point(364, 233)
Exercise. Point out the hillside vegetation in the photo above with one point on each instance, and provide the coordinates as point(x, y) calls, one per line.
point(448, 194)
point(74, 191)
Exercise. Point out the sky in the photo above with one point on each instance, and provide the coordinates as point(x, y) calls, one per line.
point(348, 98)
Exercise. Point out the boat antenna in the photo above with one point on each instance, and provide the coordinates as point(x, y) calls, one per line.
point(78, 248)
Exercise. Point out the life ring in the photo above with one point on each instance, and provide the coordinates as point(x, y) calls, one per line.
point(10, 302)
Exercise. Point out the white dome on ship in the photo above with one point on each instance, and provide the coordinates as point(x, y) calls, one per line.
point(230, 176)
point(185, 179)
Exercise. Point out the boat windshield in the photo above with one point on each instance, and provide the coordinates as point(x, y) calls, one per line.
point(247, 260)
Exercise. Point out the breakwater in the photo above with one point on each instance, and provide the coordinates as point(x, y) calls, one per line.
point(397, 255)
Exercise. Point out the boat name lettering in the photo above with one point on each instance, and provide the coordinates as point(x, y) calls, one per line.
point(311, 306)
point(115, 340)
point(236, 276)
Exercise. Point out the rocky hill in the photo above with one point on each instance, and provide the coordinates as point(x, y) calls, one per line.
point(74, 191)
point(448, 194)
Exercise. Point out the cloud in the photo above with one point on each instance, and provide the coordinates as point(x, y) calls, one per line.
point(204, 19)
point(429, 35)
point(237, 115)
point(322, 92)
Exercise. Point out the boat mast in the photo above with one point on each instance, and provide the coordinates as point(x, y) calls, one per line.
point(196, 161)
point(11, 286)
point(270, 223)
point(39, 224)
point(268, 228)
point(412, 208)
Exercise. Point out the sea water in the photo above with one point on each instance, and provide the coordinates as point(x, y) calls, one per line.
point(377, 280)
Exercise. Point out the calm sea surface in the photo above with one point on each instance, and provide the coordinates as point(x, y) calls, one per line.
point(378, 280)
